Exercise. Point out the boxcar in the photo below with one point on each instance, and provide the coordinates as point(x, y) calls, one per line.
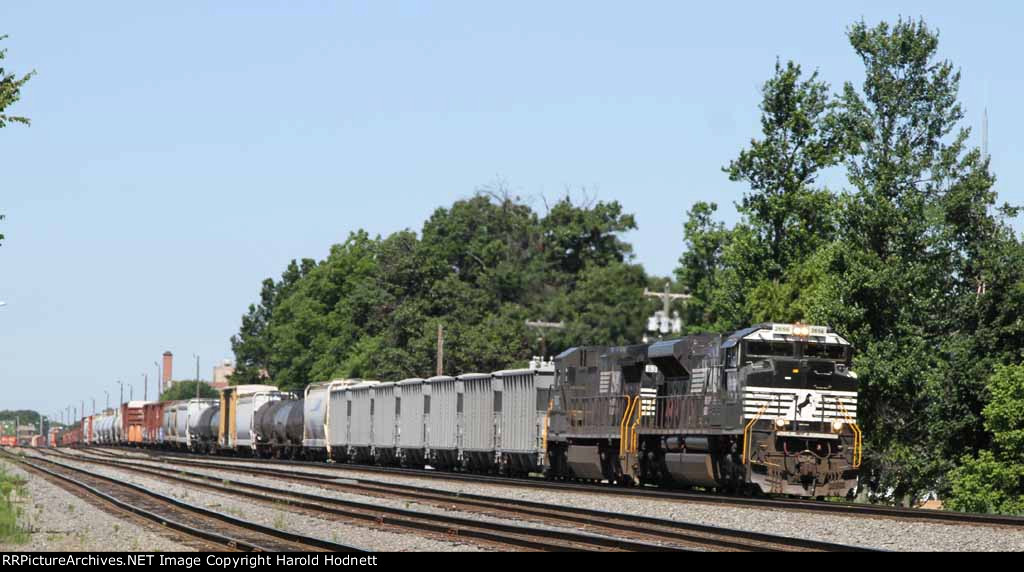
point(133, 422)
point(153, 423)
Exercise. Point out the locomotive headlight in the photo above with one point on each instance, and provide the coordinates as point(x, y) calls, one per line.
point(837, 426)
point(780, 423)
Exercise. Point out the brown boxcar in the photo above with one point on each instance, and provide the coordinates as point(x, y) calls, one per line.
point(38, 441)
point(132, 421)
point(153, 417)
point(71, 437)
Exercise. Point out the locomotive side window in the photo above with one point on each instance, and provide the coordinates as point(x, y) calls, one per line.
point(730, 357)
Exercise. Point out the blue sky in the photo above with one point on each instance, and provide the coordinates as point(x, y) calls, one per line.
point(182, 152)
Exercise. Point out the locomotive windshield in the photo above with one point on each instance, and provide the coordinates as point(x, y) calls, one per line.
point(767, 349)
point(770, 349)
point(833, 352)
point(824, 365)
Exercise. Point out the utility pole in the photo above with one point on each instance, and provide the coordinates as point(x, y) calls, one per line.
point(108, 399)
point(197, 376)
point(94, 406)
point(660, 322)
point(159, 378)
point(440, 349)
point(122, 394)
point(145, 387)
point(131, 392)
point(542, 326)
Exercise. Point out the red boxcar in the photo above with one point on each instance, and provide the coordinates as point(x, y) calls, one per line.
point(71, 437)
point(153, 422)
point(54, 432)
point(8, 441)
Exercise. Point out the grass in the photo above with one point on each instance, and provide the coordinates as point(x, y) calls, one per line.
point(12, 493)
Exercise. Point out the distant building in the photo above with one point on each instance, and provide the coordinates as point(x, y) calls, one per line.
point(221, 373)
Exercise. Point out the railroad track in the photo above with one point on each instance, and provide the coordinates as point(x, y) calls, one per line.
point(840, 508)
point(637, 527)
point(190, 520)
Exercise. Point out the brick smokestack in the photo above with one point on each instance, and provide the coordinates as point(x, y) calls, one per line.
point(168, 362)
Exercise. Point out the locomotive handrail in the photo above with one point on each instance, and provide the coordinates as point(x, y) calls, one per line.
point(623, 444)
point(858, 442)
point(638, 406)
point(746, 431)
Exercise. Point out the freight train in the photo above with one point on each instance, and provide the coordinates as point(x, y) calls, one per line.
point(770, 408)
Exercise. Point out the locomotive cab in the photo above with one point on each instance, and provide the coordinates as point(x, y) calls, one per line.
point(800, 406)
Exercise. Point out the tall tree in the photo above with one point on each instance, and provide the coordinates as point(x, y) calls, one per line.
point(702, 263)
point(802, 134)
point(251, 344)
point(993, 481)
point(10, 93)
point(921, 204)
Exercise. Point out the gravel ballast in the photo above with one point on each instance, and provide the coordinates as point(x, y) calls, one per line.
point(60, 521)
point(360, 536)
point(875, 532)
point(313, 489)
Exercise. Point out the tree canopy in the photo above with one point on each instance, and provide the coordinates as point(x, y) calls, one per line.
point(481, 268)
point(10, 93)
point(186, 389)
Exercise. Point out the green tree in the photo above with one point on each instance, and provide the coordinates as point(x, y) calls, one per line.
point(993, 480)
point(186, 389)
point(481, 268)
point(10, 93)
point(702, 264)
point(922, 201)
point(803, 134)
point(252, 343)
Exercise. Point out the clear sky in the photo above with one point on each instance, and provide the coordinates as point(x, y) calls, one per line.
point(180, 153)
